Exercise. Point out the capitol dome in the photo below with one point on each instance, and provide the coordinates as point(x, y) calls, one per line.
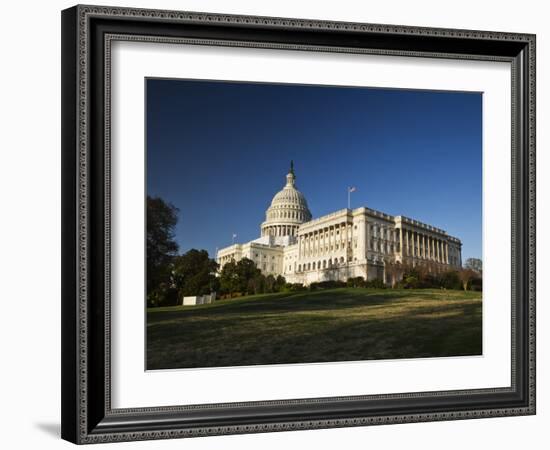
point(287, 211)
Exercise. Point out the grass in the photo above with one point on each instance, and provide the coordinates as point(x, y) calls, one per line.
point(321, 326)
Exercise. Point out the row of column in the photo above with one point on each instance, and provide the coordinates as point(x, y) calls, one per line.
point(284, 214)
point(222, 260)
point(315, 242)
point(281, 230)
point(419, 245)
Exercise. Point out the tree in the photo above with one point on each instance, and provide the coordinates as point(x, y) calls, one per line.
point(229, 282)
point(246, 271)
point(162, 218)
point(450, 280)
point(474, 264)
point(466, 276)
point(242, 276)
point(280, 282)
point(257, 284)
point(194, 273)
point(269, 283)
point(394, 272)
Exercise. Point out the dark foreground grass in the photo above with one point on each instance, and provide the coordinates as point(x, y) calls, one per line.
point(320, 326)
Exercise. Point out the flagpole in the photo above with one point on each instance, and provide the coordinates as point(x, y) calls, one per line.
point(350, 190)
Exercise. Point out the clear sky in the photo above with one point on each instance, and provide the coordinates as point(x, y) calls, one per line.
point(219, 151)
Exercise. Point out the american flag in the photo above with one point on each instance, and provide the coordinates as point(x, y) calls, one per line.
point(352, 189)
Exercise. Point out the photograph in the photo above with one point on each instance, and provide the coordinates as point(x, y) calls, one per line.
point(273, 222)
point(294, 224)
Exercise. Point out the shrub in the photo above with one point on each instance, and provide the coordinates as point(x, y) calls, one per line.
point(377, 283)
point(411, 282)
point(356, 282)
point(476, 284)
point(170, 298)
point(293, 287)
point(450, 280)
point(330, 284)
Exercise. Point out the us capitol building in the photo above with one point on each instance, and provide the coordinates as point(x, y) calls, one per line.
point(347, 243)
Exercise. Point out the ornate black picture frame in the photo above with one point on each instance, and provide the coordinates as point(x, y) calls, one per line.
point(87, 33)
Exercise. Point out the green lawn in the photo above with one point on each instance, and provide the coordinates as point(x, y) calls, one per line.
point(321, 326)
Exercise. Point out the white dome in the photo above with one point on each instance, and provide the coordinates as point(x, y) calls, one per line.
point(287, 211)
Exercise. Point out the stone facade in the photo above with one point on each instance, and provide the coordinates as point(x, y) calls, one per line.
point(347, 243)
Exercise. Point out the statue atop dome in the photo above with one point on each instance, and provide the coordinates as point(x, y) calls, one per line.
point(291, 176)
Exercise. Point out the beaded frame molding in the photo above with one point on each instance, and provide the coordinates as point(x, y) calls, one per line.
point(87, 35)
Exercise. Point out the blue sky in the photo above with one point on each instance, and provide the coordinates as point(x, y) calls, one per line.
point(219, 151)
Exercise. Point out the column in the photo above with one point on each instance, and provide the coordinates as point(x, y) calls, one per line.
point(362, 237)
point(401, 241)
point(413, 243)
point(424, 246)
point(346, 240)
point(446, 253)
point(418, 243)
point(315, 242)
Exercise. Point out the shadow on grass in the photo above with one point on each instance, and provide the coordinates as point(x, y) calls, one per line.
point(328, 326)
point(334, 299)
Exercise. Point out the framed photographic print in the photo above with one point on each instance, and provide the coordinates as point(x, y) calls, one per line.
point(280, 224)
